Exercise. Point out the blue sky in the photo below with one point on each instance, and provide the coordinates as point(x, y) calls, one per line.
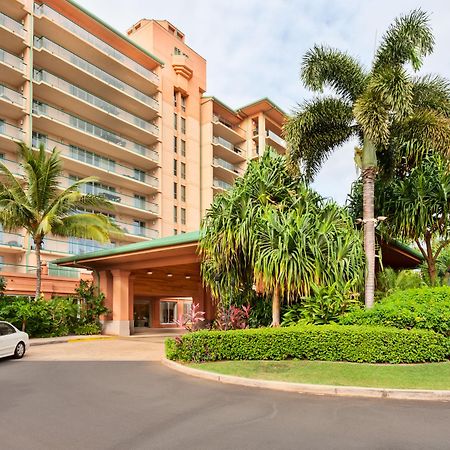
point(254, 48)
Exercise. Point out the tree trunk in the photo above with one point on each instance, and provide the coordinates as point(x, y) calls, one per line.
point(276, 308)
point(368, 176)
point(38, 245)
point(431, 263)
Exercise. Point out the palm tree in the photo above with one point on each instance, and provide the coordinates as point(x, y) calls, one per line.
point(395, 117)
point(38, 205)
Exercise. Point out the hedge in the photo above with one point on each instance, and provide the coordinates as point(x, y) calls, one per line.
point(323, 342)
point(422, 308)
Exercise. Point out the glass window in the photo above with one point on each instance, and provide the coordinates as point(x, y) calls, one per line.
point(39, 138)
point(183, 125)
point(139, 227)
point(175, 144)
point(183, 103)
point(183, 193)
point(6, 328)
point(175, 190)
point(175, 98)
point(139, 175)
point(183, 147)
point(175, 214)
point(183, 216)
point(175, 231)
point(139, 201)
point(175, 121)
point(168, 312)
point(183, 170)
point(187, 306)
point(175, 167)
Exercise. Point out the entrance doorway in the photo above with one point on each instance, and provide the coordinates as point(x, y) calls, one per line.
point(142, 315)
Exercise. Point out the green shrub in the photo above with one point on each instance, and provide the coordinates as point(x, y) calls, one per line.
point(390, 281)
point(87, 329)
point(423, 308)
point(325, 343)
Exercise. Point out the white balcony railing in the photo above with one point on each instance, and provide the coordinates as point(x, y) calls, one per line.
point(11, 131)
point(270, 134)
point(221, 184)
point(12, 60)
point(224, 143)
point(11, 24)
point(12, 96)
point(227, 165)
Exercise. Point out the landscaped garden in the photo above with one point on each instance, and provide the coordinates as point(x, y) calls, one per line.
point(301, 290)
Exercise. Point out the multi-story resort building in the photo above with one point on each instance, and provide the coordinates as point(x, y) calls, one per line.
point(129, 109)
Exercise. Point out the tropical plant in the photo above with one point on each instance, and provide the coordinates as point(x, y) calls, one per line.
point(232, 317)
point(274, 234)
point(39, 205)
point(3, 284)
point(192, 320)
point(395, 117)
point(390, 281)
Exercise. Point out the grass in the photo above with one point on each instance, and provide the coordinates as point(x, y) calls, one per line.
point(403, 376)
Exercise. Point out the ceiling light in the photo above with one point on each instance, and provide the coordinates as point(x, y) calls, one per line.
point(149, 272)
point(188, 277)
point(170, 275)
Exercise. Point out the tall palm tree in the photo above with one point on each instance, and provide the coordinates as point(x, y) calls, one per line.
point(395, 116)
point(38, 204)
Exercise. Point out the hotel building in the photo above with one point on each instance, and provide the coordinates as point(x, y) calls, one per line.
point(129, 109)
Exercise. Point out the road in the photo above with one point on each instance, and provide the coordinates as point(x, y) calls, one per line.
point(116, 395)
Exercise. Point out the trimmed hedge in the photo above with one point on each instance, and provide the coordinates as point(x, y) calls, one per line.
point(324, 342)
point(422, 308)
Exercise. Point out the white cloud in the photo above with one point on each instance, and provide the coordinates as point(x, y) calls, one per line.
point(254, 48)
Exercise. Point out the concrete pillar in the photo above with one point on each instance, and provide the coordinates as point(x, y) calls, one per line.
point(261, 133)
point(105, 286)
point(131, 302)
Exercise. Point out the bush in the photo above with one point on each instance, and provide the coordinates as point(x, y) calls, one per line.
point(325, 343)
point(87, 329)
point(423, 308)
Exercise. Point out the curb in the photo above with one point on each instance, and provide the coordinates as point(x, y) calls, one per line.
point(68, 339)
point(314, 389)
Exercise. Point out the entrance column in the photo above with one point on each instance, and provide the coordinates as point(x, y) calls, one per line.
point(105, 287)
point(121, 303)
point(131, 302)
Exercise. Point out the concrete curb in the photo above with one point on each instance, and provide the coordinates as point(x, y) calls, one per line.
point(314, 389)
point(67, 339)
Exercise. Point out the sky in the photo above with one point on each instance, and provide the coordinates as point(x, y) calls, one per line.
point(254, 48)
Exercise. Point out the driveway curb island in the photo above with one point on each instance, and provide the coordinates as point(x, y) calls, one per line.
point(314, 389)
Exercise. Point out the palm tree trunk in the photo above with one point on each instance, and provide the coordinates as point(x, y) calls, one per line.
point(369, 233)
point(431, 263)
point(38, 245)
point(276, 308)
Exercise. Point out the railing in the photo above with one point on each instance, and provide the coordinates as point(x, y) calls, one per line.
point(135, 230)
point(82, 64)
point(95, 41)
point(11, 239)
point(227, 165)
point(13, 96)
point(14, 167)
point(270, 134)
point(12, 60)
point(221, 184)
point(217, 118)
point(113, 196)
point(93, 159)
point(224, 143)
point(42, 75)
point(11, 131)
point(43, 109)
point(11, 24)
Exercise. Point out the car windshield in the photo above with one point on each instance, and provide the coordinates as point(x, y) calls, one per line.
point(6, 328)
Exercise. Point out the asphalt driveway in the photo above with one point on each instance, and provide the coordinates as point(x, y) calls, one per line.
point(123, 400)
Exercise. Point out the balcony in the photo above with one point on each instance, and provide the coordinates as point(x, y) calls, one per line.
point(226, 149)
point(85, 134)
point(57, 27)
point(134, 233)
point(73, 98)
point(225, 170)
point(12, 34)
point(12, 103)
point(221, 185)
point(72, 67)
point(275, 141)
point(13, 166)
point(128, 204)
point(89, 164)
point(232, 134)
point(12, 69)
point(11, 243)
point(10, 135)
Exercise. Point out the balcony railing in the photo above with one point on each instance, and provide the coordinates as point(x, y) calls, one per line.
point(221, 184)
point(95, 41)
point(63, 85)
point(113, 196)
point(137, 230)
point(13, 96)
point(224, 143)
point(11, 24)
point(227, 165)
point(95, 160)
point(82, 64)
point(53, 270)
point(43, 109)
point(219, 119)
point(11, 131)
point(11, 239)
point(270, 134)
point(12, 60)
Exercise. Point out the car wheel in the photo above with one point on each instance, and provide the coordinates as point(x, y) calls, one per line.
point(19, 351)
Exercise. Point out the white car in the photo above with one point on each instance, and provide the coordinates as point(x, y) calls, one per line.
point(13, 342)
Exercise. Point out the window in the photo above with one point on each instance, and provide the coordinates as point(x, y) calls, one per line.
point(139, 201)
point(175, 190)
point(6, 328)
point(175, 214)
point(39, 138)
point(168, 312)
point(183, 170)
point(175, 121)
point(183, 147)
point(139, 175)
point(175, 231)
point(91, 158)
point(175, 167)
point(183, 216)
point(139, 227)
point(187, 306)
point(175, 98)
point(183, 125)
point(183, 193)
point(175, 144)
point(183, 103)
